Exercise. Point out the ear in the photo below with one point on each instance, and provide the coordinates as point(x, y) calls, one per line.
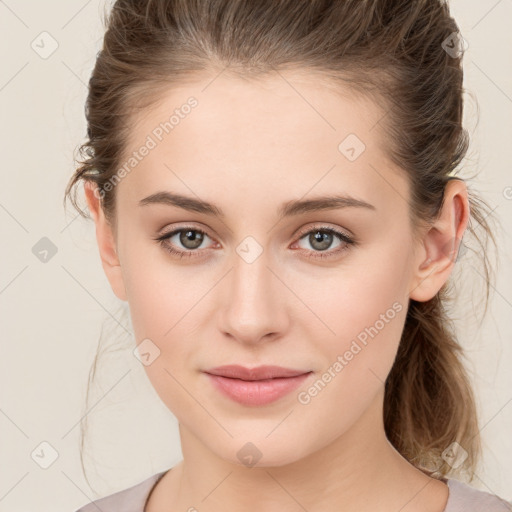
point(440, 245)
point(106, 241)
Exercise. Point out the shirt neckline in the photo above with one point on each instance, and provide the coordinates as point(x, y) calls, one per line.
point(158, 476)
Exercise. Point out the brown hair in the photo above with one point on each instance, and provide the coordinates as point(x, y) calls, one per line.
point(401, 53)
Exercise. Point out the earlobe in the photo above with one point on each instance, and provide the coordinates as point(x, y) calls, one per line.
point(106, 241)
point(441, 243)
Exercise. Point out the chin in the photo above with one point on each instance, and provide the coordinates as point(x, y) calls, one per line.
point(258, 450)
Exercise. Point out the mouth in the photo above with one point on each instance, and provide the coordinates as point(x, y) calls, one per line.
point(256, 386)
point(235, 371)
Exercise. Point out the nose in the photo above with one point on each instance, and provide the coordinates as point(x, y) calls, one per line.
point(255, 301)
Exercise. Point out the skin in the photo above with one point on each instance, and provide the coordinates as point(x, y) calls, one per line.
point(248, 147)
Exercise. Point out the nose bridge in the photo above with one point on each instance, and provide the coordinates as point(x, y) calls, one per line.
point(254, 307)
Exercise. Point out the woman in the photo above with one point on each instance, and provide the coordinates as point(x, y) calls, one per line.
point(273, 189)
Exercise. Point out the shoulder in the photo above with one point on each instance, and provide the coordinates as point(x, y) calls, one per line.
point(131, 499)
point(463, 498)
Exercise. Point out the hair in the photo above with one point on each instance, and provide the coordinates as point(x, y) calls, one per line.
point(393, 51)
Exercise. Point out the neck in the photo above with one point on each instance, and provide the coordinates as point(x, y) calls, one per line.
point(359, 469)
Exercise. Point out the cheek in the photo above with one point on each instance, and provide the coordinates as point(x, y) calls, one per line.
point(159, 303)
point(363, 306)
point(159, 292)
point(165, 301)
point(365, 309)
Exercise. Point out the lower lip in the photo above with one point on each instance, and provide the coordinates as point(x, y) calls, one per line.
point(256, 392)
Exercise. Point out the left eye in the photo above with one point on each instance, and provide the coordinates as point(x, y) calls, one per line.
point(321, 239)
point(192, 238)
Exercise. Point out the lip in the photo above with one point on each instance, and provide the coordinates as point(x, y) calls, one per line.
point(235, 371)
point(255, 386)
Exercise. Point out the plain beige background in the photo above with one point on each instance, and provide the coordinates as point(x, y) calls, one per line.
point(53, 312)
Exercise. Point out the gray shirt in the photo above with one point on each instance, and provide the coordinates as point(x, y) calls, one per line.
point(461, 498)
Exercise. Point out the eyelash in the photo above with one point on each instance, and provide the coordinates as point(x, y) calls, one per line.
point(162, 240)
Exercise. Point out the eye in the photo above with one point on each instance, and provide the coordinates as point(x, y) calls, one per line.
point(321, 238)
point(189, 237)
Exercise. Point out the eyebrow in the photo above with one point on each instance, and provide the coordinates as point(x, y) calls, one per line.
point(290, 208)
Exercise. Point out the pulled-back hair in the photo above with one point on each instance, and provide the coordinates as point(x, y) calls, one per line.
point(403, 54)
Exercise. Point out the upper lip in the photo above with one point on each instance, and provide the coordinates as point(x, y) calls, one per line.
point(235, 371)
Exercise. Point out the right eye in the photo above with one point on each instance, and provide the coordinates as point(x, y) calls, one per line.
point(189, 237)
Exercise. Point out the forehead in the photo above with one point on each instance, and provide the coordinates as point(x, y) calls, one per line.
point(308, 106)
point(285, 133)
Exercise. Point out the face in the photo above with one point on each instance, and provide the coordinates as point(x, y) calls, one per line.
point(321, 289)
